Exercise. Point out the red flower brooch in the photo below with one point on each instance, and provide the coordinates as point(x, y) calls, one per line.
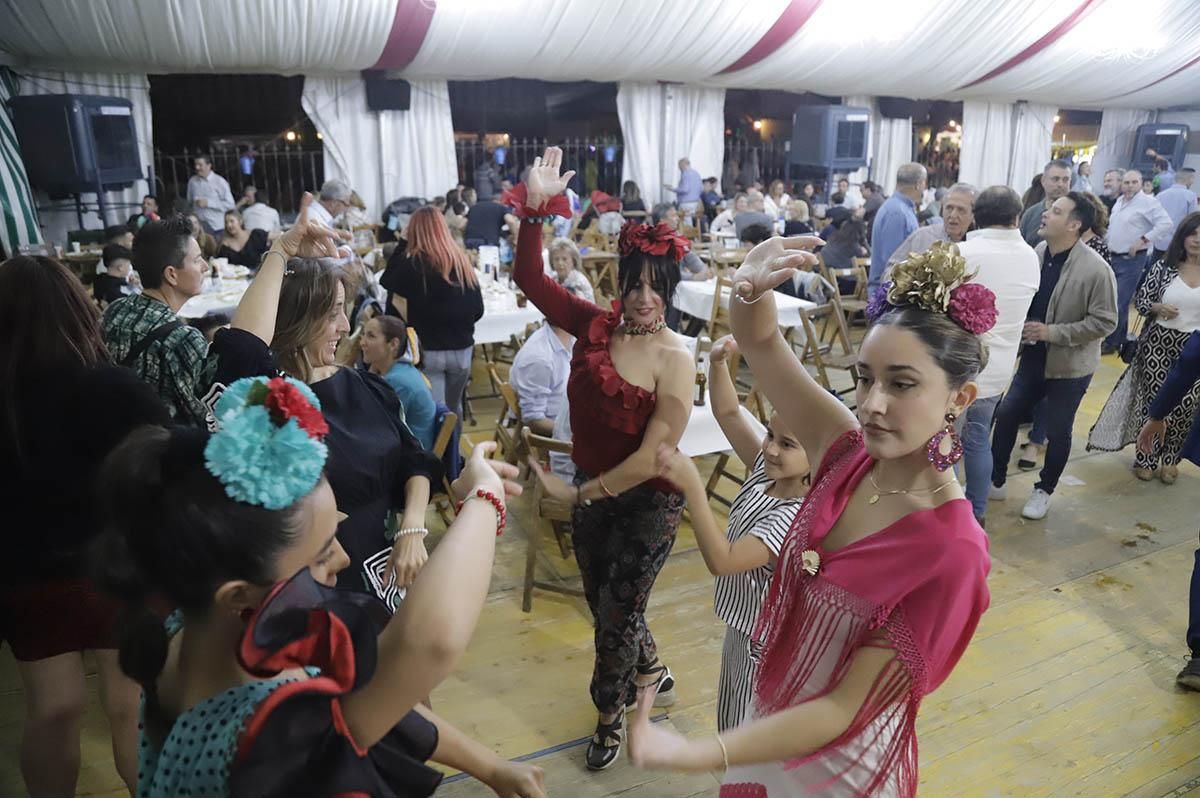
point(658, 240)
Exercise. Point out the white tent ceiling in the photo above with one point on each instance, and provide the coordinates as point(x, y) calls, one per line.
point(1072, 53)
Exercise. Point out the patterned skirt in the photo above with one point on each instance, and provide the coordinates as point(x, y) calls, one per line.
point(1125, 411)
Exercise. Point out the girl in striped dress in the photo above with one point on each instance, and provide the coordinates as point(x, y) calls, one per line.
point(777, 471)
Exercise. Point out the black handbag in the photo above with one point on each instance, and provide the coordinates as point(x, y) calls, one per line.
point(1129, 347)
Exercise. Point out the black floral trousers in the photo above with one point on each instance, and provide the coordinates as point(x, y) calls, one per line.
point(621, 545)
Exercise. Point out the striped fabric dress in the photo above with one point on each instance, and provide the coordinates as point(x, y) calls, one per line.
point(739, 597)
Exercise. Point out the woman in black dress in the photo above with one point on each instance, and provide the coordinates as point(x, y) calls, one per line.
point(291, 321)
point(64, 408)
point(241, 246)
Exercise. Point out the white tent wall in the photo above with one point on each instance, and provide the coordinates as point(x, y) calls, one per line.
point(986, 149)
point(384, 155)
point(58, 221)
point(893, 148)
point(1031, 141)
point(1114, 146)
point(662, 123)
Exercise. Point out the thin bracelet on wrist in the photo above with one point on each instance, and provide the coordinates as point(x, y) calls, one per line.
point(603, 487)
point(724, 755)
point(412, 530)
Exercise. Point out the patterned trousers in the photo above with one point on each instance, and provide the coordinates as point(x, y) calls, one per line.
point(621, 545)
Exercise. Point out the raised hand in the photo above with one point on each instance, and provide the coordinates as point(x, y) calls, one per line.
point(491, 475)
point(309, 239)
point(772, 262)
point(544, 180)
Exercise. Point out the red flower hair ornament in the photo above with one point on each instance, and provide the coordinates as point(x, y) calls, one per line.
point(657, 240)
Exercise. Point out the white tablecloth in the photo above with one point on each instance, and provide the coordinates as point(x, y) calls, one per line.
point(502, 319)
point(224, 301)
point(703, 434)
point(695, 298)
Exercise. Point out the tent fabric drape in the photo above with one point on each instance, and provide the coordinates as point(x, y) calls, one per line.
point(1031, 141)
point(384, 155)
point(18, 214)
point(1114, 146)
point(59, 218)
point(986, 149)
point(661, 124)
point(893, 148)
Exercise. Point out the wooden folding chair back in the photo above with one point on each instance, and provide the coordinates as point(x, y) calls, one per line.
point(821, 355)
point(441, 442)
point(718, 319)
point(508, 423)
point(557, 514)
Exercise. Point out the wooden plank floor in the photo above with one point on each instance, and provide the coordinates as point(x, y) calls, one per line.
point(1067, 689)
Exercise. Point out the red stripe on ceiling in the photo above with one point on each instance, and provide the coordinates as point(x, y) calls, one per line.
point(1049, 38)
point(409, 27)
point(1167, 76)
point(790, 21)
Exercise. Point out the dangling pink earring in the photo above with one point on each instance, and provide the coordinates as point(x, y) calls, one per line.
point(939, 460)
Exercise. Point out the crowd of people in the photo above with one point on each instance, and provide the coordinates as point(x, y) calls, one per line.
point(250, 509)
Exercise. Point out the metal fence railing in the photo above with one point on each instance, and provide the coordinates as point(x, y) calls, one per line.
point(282, 172)
point(596, 160)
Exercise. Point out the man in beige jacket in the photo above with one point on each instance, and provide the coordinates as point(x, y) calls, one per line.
point(1074, 309)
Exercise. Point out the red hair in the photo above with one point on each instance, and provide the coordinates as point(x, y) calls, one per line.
point(429, 241)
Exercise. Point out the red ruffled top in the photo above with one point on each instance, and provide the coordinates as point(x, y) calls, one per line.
point(608, 414)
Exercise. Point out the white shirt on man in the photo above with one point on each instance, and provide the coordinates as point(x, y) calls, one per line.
point(318, 213)
point(539, 375)
point(1178, 201)
point(260, 216)
point(214, 190)
point(1132, 219)
point(1008, 266)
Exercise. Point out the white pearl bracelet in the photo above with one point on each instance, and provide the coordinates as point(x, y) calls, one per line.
point(415, 530)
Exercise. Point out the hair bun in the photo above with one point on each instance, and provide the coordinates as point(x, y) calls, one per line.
point(937, 281)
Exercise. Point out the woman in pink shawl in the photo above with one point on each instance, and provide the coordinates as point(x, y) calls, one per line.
point(882, 579)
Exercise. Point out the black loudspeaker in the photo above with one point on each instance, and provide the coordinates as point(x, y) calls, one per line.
point(830, 137)
point(903, 108)
point(71, 142)
point(385, 94)
point(1169, 140)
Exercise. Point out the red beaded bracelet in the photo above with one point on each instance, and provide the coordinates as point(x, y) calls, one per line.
point(496, 503)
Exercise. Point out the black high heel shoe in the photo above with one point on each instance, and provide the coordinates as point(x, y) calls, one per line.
point(601, 755)
point(664, 680)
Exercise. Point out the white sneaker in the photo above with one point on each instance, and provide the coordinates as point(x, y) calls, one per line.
point(998, 493)
point(1037, 506)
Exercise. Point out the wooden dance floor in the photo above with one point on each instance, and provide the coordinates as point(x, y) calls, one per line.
point(1067, 689)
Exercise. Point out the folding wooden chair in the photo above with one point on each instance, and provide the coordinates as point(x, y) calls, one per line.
point(755, 403)
point(820, 355)
point(508, 424)
point(557, 514)
point(718, 320)
point(855, 302)
point(444, 504)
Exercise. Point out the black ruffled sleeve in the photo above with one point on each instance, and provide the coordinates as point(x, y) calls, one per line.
point(297, 742)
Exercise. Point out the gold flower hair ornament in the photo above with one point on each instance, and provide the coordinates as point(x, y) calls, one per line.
point(927, 279)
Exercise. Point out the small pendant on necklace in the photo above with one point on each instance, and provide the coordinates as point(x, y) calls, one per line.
point(874, 499)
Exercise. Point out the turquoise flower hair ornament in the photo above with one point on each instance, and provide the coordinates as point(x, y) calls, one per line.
point(268, 449)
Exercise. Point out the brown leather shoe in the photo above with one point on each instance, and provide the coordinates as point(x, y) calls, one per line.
point(1169, 474)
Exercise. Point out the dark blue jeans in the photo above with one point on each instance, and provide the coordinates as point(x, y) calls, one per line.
point(1129, 273)
point(1030, 386)
point(977, 452)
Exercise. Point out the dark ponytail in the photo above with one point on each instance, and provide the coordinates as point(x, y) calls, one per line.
point(171, 533)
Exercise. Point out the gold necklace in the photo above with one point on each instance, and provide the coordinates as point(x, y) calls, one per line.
point(880, 493)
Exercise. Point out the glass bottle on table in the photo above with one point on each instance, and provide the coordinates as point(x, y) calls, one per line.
point(703, 352)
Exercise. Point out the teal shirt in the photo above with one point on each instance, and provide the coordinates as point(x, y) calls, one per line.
point(419, 408)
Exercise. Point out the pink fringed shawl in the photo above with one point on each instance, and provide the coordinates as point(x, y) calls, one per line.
point(918, 586)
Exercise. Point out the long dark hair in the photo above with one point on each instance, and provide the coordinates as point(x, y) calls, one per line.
point(1175, 252)
point(306, 299)
point(47, 323)
point(172, 532)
